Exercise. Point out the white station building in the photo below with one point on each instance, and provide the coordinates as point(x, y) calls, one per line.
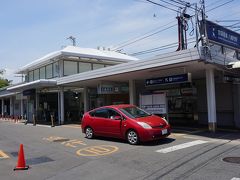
point(195, 87)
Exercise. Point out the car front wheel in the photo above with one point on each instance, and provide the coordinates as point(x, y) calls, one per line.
point(132, 137)
point(89, 133)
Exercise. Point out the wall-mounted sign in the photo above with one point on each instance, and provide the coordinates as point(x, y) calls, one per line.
point(222, 35)
point(180, 78)
point(29, 92)
point(112, 89)
point(189, 91)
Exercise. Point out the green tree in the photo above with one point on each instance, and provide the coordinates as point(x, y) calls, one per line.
point(3, 82)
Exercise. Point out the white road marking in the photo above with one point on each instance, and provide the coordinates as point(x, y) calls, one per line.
point(235, 178)
point(181, 146)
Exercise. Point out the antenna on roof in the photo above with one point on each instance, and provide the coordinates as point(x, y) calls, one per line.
point(73, 39)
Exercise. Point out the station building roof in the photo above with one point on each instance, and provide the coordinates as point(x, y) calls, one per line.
point(77, 52)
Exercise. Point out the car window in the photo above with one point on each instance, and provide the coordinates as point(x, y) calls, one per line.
point(101, 113)
point(112, 114)
point(134, 112)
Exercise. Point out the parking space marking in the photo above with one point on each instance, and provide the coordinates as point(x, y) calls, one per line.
point(3, 155)
point(73, 143)
point(97, 150)
point(181, 146)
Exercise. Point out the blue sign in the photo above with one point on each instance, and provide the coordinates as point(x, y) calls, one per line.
point(181, 78)
point(29, 92)
point(222, 35)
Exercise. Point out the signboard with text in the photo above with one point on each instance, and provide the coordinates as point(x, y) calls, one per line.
point(180, 78)
point(222, 35)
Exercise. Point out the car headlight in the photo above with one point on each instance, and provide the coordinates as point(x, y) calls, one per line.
point(144, 125)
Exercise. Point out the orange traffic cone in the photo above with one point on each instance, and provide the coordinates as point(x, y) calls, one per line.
point(21, 165)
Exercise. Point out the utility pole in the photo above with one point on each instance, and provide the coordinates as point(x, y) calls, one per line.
point(182, 24)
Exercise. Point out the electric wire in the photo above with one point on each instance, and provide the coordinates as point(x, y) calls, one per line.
point(164, 47)
point(220, 5)
point(121, 45)
point(170, 3)
point(162, 6)
point(214, 3)
point(146, 35)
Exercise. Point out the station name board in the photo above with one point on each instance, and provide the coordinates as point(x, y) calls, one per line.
point(29, 92)
point(180, 78)
point(112, 89)
point(222, 35)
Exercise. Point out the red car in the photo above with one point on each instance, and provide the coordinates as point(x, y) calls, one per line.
point(124, 121)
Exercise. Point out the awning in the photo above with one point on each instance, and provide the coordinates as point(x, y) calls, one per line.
point(7, 95)
point(34, 84)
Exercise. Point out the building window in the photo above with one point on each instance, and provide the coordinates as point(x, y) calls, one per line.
point(83, 67)
point(70, 67)
point(49, 71)
point(36, 74)
point(30, 76)
point(55, 69)
point(98, 66)
point(43, 73)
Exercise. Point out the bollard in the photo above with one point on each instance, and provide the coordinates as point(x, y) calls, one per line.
point(34, 120)
point(52, 120)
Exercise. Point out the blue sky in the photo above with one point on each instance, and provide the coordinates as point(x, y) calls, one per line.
point(30, 29)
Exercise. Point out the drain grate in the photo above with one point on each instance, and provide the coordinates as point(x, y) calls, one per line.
point(14, 154)
point(235, 160)
point(38, 160)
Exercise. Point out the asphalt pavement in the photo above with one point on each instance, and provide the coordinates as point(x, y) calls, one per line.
point(63, 152)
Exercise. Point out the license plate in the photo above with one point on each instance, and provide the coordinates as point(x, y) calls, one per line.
point(164, 131)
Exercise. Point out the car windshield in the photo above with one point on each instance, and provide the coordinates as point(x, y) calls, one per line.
point(134, 112)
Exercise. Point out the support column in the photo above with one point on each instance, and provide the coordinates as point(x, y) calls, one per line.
point(11, 106)
point(61, 98)
point(236, 104)
point(36, 105)
point(21, 106)
point(132, 92)
point(86, 99)
point(2, 107)
point(211, 100)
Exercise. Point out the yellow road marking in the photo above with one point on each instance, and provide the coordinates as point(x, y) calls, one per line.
point(72, 143)
point(54, 138)
point(3, 155)
point(97, 150)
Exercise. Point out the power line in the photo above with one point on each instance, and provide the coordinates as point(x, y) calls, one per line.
point(151, 31)
point(164, 47)
point(227, 20)
point(179, 2)
point(220, 5)
point(171, 4)
point(214, 3)
point(146, 35)
point(162, 5)
point(185, 4)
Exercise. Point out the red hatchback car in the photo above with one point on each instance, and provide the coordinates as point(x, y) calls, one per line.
point(124, 121)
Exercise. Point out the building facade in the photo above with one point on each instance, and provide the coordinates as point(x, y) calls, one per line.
point(193, 86)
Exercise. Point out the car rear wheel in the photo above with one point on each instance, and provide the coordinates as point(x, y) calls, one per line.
point(89, 133)
point(132, 137)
